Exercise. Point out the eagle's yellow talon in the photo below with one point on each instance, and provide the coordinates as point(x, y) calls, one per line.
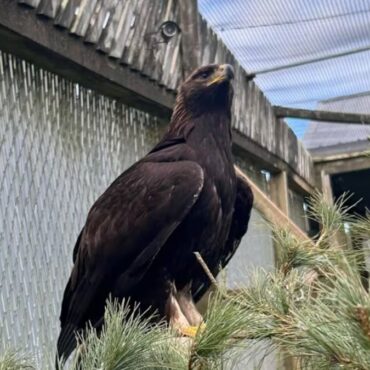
point(191, 331)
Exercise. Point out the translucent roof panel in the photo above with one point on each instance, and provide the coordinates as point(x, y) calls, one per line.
point(321, 134)
point(302, 51)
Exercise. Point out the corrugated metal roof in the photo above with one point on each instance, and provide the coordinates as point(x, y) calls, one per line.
point(321, 134)
point(319, 48)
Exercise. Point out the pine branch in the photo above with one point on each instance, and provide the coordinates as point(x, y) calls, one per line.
point(13, 360)
point(313, 306)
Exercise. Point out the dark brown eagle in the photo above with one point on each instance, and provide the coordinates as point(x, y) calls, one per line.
point(141, 234)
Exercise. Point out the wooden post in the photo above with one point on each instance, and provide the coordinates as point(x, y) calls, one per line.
point(279, 195)
point(324, 183)
point(190, 35)
point(277, 216)
point(279, 191)
point(270, 211)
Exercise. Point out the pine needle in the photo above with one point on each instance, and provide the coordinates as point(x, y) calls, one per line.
point(15, 360)
point(314, 307)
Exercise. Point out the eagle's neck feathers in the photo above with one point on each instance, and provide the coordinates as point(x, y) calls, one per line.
point(214, 121)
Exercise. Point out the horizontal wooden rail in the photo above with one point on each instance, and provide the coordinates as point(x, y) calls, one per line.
point(318, 115)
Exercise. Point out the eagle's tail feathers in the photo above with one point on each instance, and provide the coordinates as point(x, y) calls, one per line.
point(67, 342)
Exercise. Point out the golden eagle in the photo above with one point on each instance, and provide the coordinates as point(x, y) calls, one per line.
point(140, 236)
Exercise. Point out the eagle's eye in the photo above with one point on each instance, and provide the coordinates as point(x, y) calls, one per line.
point(203, 75)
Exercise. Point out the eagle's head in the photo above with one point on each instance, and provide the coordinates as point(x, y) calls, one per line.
point(207, 88)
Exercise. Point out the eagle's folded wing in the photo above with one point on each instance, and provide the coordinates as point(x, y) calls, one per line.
point(124, 231)
point(242, 212)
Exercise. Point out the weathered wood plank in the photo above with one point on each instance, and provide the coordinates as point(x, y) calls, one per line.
point(246, 126)
point(66, 13)
point(98, 21)
point(32, 3)
point(152, 40)
point(319, 115)
point(109, 31)
point(122, 28)
point(176, 67)
point(48, 8)
point(262, 122)
point(82, 19)
point(123, 39)
point(292, 148)
point(137, 39)
point(279, 191)
point(163, 48)
point(244, 113)
point(170, 48)
point(159, 49)
point(190, 42)
point(68, 56)
point(140, 51)
point(254, 112)
point(270, 210)
point(279, 124)
point(271, 124)
point(128, 30)
point(341, 163)
point(133, 35)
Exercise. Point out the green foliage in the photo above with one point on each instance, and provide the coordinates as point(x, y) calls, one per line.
point(222, 337)
point(328, 327)
point(314, 307)
point(119, 346)
point(11, 360)
point(331, 217)
point(361, 228)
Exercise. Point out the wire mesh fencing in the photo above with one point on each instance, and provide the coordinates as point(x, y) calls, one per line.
point(61, 145)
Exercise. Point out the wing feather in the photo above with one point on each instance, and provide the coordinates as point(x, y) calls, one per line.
point(239, 226)
point(125, 230)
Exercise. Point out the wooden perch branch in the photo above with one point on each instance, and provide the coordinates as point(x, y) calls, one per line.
point(206, 269)
point(318, 115)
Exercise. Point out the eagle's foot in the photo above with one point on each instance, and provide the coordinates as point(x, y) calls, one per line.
point(187, 306)
point(192, 331)
point(182, 313)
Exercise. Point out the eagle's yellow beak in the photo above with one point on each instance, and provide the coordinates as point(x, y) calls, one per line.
point(223, 73)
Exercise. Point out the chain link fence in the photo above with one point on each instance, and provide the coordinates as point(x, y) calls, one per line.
point(61, 145)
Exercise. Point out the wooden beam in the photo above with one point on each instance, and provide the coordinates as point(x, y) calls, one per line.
point(270, 210)
point(317, 115)
point(300, 185)
point(190, 34)
point(37, 40)
point(342, 164)
point(245, 146)
point(326, 187)
point(279, 191)
point(342, 156)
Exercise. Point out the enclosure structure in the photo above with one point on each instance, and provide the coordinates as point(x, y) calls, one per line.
point(86, 88)
point(341, 151)
point(311, 59)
